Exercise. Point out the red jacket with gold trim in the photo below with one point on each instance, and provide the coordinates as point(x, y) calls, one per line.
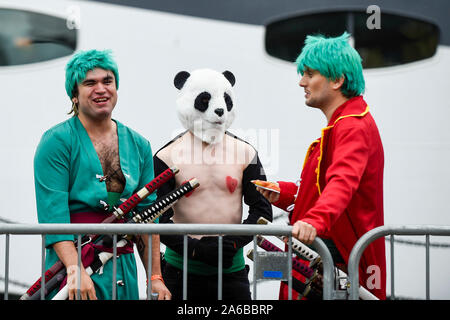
point(341, 189)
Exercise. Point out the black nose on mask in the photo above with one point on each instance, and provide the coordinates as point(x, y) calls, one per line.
point(219, 112)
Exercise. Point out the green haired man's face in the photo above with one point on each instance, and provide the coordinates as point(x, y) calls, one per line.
point(316, 87)
point(319, 91)
point(97, 94)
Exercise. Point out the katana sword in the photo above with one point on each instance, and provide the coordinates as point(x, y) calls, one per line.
point(117, 214)
point(148, 215)
point(305, 252)
point(296, 265)
point(160, 206)
point(313, 279)
point(147, 190)
point(300, 249)
point(302, 289)
point(100, 261)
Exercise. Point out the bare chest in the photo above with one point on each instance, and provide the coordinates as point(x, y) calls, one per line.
point(108, 154)
point(219, 171)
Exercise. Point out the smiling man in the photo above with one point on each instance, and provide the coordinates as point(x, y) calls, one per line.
point(340, 196)
point(83, 166)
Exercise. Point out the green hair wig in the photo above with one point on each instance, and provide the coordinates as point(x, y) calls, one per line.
point(84, 61)
point(333, 58)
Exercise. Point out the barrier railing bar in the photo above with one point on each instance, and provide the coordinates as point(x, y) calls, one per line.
point(43, 268)
point(367, 238)
point(427, 266)
point(392, 268)
point(290, 268)
point(220, 269)
point(6, 266)
point(114, 275)
point(185, 266)
point(205, 229)
point(149, 267)
point(180, 228)
point(79, 267)
point(328, 268)
point(254, 267)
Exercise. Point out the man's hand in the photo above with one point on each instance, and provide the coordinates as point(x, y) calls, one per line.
point(68, 255)
point(160, 288)
point(87, 290)
point(304, 232)
point(269, 195)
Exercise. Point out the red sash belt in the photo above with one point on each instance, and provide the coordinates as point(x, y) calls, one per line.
point(97, 217)
point(88, 250)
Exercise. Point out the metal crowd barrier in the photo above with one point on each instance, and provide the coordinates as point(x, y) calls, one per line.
point(329, 291)
point(372, 235)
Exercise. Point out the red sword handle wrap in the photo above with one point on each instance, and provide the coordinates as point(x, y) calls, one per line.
point(148, 189)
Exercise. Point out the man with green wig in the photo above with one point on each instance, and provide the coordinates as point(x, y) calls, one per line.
point(340, 196)
point(84, 166)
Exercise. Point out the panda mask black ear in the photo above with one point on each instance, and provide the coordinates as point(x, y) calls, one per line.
point(180, 79)
point(230, 77)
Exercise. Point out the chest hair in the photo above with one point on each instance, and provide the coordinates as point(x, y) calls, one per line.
point(108, 154)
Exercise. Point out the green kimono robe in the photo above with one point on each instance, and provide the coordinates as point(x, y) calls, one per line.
point(67, 171)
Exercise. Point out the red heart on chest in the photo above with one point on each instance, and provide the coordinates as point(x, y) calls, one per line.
point(231, 183)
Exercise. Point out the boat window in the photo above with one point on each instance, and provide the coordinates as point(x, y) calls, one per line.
point(29, 37)
point(398, 40)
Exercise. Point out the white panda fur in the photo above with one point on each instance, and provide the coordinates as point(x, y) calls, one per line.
point(209, 125)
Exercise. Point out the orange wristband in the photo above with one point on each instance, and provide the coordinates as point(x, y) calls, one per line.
point(155, 277)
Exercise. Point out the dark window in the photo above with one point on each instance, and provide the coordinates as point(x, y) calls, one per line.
point(399, 40)
point(28, 37)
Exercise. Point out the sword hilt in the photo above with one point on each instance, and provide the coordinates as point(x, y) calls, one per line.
point(155, 210)
point(300, 249)
point(302, 288)
point(143, 193)
point(296, 265)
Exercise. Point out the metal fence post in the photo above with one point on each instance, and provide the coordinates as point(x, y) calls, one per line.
point(43, 268)
point(427, 266)
point(6, 265)
point(185, 266)
point(255, 248)
point(149, 266)
point(79, 268)
point(392, 268)
point(370, 236)
point(328, 267)
point(114, 275)
point(185, 229)
point(290, 267)
point(220, 269)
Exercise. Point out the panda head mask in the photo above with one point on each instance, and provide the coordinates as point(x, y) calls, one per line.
point(205, 104)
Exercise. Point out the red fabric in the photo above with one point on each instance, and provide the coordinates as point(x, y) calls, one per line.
point(98, 217)
point(350, 200)
point(91, 217)
point(87, 251)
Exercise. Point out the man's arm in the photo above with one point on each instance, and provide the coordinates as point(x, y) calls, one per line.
point(51, 173)
point(350, 155)
point(158, 285)
point(69, 257)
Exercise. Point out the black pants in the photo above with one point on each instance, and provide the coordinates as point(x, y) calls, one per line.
point(235, 286)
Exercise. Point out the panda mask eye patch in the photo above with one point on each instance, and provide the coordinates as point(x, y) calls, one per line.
point(202, 101)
